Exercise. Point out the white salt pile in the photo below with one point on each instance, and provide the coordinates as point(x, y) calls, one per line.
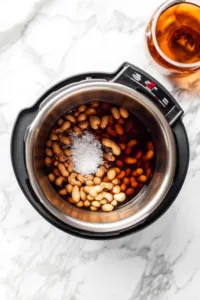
point(87, 154)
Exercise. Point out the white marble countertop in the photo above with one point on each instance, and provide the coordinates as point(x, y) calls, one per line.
point(42, 41)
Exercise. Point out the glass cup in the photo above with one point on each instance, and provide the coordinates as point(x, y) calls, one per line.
point(173, 36)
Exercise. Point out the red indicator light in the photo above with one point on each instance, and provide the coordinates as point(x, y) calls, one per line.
point(151, 85)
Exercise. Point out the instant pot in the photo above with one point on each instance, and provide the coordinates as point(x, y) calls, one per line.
point(149, 101)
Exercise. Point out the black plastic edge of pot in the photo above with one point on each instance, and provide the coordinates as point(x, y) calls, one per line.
point(25, 118)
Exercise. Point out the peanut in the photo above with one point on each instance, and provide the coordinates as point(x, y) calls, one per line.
point(70, 168)
point(116, 181)
point(89, 182)
point(95, 104)
point(70, 200)
point(121, 197)
point(128, 151)
point(77, 130)
point(130, 191)
point(123, 112)
point(56, 172)
point(48, 152)
point(83, 194)
point(69, 188)
point(104, 201)
point(56, 148)
point(119, 163)
point(107, 207)
point(60, 121)
point(62, 157)
point(134, 183)
point(48, 162)
point(150, 146)
point(51, 177)
point(121, 175)
point(104, 122)
point(119, 129)
point(62, 192)
point(53, 137)
point(148, 172)
point(132, 143)
point(94, 122)
point(90, 111)
point(122, 146)
point(90, 198)
point(56, 163)
point(109, 156)
point(130, 160)
point(93, 208)
point(105, 179)
point(128, 172)
point(107, 196)
point(116, 189)
point(49, 143)
point(67, 152)
point(121, 121)
point(83, 125)
point(138, 155)
point(111, 131)
point(80, 178)
point(123, 187)
point(96, 203)
point(99, 197)
point(82, 108)
point(107, 185)
point(142, 178)
point(86, 203)
point(100, 172)
point(97, 180)
point(76, 114)
point(149, 155)
point(63, 170)
point(110, 144)
point(90, 177)
point(115, 113)
point(111, 174)
point(76, 194)
point(79, 204)
point(82, 117)
point(87, 189)
point(66, 125)
point(65, 140)
point(139, 171)
point(72, 179)
point(110, 120)
point(114, 203)
point(59, 181)
point(126, 180)
point(71, 118)
point(117, 170)
point(94, 191)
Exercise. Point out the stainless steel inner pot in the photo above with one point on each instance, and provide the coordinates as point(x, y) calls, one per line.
point(145, 202)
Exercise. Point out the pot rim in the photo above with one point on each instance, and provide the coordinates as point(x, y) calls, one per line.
point(147, 210)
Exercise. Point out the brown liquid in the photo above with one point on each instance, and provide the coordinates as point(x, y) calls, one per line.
point(178, 35)
point(134, 129)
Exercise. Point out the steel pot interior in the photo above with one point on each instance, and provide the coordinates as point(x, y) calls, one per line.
point(144, 203)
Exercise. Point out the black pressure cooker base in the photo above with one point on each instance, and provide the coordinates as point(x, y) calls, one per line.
point(26, 117)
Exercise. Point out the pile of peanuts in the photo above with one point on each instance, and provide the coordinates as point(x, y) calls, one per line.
point(128, 162)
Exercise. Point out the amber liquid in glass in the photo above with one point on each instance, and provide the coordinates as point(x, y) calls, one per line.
point(177, 34)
